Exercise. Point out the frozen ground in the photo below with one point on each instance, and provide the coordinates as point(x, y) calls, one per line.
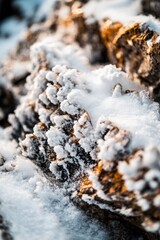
point(33, 208)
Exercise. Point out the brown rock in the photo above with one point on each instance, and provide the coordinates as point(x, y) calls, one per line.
point(135, 49)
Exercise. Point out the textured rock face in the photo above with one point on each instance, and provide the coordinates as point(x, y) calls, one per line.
point(56, 112)
point(129, 193)
point(134, 49)
point(95, 163)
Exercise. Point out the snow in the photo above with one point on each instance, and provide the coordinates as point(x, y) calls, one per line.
point(50, 76)
point(44, 115)
point(149, 21)
point(83, 129)
point(55, 137)
point(100, 98)
point(144, 204)
point(133, 112)
point(51, 94)
point(109, 148)
point(33, 208)
point(153, 228)
point(60, 152)
point(71, 56)
point(69, 108)
point(150, 156)
point(27, 213)
point(117, 10)
point(157, 201)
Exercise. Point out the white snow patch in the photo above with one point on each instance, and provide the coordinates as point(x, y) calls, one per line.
point(117, 10)
point(71, 56)
point(144, 204)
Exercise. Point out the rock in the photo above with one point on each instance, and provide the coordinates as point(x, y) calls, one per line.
point(7, 104)
point(126, 195)
point(151, 7)
point(135, 49)
point(88, 35)
point(52, 118)
point(95, 163)
point(4, 230)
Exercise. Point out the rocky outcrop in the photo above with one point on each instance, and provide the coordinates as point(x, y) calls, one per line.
point(57, 96)
point(135, 49)
point(95, 163)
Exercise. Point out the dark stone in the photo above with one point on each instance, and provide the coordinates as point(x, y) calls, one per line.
point(151, 7)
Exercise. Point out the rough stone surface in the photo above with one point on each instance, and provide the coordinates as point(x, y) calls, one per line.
point(58, 135)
